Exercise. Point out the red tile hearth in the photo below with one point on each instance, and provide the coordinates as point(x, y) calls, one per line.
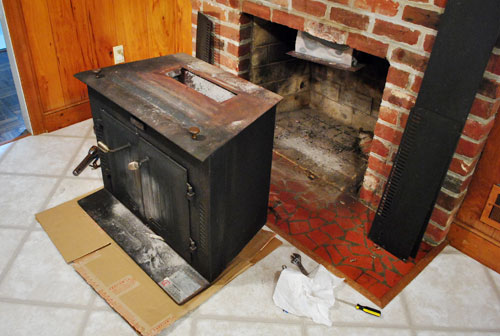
point(332, 228)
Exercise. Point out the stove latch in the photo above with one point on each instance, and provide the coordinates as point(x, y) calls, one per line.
point(190, 192)
point(192, 245)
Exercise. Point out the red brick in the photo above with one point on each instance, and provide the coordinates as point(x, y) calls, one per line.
point(398, 98)
point(396, 32)
point(214, 11)
point(342, 2)
point(449, 202)
point(379, 166)
point(429, 42)
point(256, 10)
point(229, 3)
point(462, 167)
point(484, 109)
point(388, 133)
point(311, 7)
point(388, 114)
point(369, 197)
point(290, 20)
point(194, 18)
point(489, 88)
point(440, 3)
point(420, 16)
point(494, 64)
point(476, 130)
point(282, 3)
point(367, 44)
point(384, 7)
point(238, 50)
point(219, 44)
point(379, 148)
point(436, 234)
point(233, 64)
point(417, 83)
point(441, 217)
point(232, 33)
point(326, 32)
point(349, 18)
point(416, 61)
point(398, 77)
point(238, 18)
point(469, 148)
point(403, 119)
point(196, 5)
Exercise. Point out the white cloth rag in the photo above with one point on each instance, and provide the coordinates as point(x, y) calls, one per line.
point(311, 296)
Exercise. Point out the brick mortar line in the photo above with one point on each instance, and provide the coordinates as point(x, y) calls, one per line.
point(492, 76)
point(373, 172)
point(467, 159)
point(460, 177)
point(477, 142)
point(398, 88)
point(390, 105)
point(480, 120)
point(388, 124)
point(453, 194)
point(487, 99)
point(437, 225)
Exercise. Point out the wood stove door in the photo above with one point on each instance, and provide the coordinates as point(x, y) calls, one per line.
point(166, 207)
point(125, 183)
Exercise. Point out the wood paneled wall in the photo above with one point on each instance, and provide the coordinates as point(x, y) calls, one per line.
point(58, 38)
point(468, 233)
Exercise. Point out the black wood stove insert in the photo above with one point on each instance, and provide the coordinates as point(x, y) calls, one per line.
point(185, 151)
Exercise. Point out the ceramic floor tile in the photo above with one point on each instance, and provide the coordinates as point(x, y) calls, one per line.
point(393, 314)
point(107, 323)
point(355, 331)
point(4, 148)
point(40, 155)
point(88, 172)
point(22, 320)
point(231, 328)
point(40, 273)
point(251, 292)
point(71, 188)
point(80, 129)
point(457, 333)
point(22, 197)
point(9, 240)
point(181, 327)
point(496, 279)
point(453, 291)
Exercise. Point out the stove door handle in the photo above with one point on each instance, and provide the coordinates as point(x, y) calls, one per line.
point(105, 149)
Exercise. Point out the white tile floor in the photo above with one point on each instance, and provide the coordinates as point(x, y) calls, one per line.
point(41, 295)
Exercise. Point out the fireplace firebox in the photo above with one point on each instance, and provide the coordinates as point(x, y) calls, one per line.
point(186, 148)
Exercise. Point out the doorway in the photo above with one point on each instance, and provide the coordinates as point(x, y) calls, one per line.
point(12, 121)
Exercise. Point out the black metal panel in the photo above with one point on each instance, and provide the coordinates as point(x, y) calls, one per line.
point(204, 28)
point(124, 184)
point(463, 45)
point(166, 207)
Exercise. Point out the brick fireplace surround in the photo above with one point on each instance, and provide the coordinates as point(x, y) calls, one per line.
point(403, 32)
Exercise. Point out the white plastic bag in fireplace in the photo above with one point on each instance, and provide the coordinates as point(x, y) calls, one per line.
point(311, 296)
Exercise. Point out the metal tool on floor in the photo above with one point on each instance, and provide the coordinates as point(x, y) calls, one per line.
point(297, 261)
point(366, 309)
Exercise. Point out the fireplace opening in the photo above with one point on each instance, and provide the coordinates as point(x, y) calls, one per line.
point(201, 85)
point(326, 120)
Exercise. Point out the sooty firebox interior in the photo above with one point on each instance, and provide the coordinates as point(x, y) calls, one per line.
point(326, 119)
point(186, 152)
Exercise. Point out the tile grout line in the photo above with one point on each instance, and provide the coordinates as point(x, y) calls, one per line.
point(86, 316)
point(29, 230)
point(46, 304)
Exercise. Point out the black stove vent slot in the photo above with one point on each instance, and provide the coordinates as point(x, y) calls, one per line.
point(204, 50)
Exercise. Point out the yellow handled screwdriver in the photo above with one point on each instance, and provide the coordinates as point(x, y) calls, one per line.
point(366, 309)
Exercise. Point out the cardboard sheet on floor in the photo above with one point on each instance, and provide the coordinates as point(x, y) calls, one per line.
point(119, 280)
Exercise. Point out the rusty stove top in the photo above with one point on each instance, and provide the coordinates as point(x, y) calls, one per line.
point(174, 93)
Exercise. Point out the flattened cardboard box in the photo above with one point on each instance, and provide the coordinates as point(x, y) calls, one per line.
point(119, 280)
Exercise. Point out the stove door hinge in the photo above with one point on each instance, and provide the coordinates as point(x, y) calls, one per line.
point(190, 192)
point(192, 245)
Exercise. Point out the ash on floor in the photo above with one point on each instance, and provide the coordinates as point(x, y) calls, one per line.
point(323, 146)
